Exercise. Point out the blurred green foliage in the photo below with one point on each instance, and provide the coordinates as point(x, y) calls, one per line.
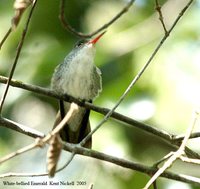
point(165, 96)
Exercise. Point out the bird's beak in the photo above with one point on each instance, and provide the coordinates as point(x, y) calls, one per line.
point(93, 41)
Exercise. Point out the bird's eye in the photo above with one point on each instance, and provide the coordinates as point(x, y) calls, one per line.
point(80, 43)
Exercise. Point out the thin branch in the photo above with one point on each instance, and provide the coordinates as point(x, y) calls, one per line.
point(41, 142)
point(55, 147)
point(128, 164)
point(104, 111)
point(36, 134)
point(72, 110)
point(19, 152)
point(189, 152)
point(76, 149)
point(176, 154)
point(35, 174)
point(190, 160)
point(20, 128)
point(44, 91)
point(11, 174)
point(189, 131)
point(49, 93)
point(5, 37)
point(26, 149)
point(137, 77)
point(180, 15)
point(117, 161)
point(158, 8)
point(156, 164)
point(178, 138)
point(69, 28)
point(21, 42)
point(68, 162)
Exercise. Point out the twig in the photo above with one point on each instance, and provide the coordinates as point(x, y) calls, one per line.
point(36, 174)
point(73, 110)
point(128, 164)
point(180, 15)
point(176, 154)
point(5, 37)
point(67, 163)
point(68, 27)
point(55, 147)
point(17, 55)
point(44, 91)
point(20, 128)
point(178, 138)
point(158, 8)
point(163, 159)
point(117, 161)
point(34, 133)
point(75, 149)
point(104, 111)
point(40, 142)
point(190, 160)
point(49, 93)
point(22, 175)
point(20, 151)
point(137, 77)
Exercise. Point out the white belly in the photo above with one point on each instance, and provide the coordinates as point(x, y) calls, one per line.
point(79, 78)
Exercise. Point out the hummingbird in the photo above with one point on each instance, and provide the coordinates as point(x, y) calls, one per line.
point(78, 77)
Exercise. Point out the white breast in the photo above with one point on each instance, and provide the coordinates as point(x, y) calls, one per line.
point(76, 77)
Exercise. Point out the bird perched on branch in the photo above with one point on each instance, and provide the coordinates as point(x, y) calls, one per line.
point(78, 77)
